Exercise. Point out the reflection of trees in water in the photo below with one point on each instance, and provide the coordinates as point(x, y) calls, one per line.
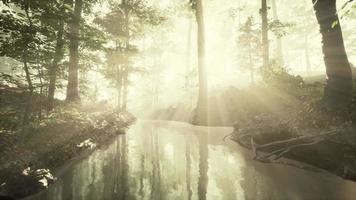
point(226, 183)
point(203, 166)
point(249, 182)
point(117, 169)
point(110, 169)
point(67, 192)
point(115, 172)
point(258, 184)
point(156, 186)
point(124, 189)
point(188, 166)
point(142, 174)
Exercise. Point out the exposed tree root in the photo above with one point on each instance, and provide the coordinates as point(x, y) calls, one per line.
point(321, 151)
point(285, 145)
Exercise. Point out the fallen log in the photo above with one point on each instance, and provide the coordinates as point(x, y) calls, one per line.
point(325, 150)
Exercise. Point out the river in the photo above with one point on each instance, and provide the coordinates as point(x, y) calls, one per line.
point(161, 160)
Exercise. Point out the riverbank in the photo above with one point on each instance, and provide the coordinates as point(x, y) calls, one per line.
point(282, 117)
point(31, 153)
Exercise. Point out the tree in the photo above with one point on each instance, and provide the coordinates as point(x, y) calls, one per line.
point(72, 87)
point(279, 49)
point(265, 42)
point(58, 55)
point(201, 112)
point(339, 89)
point(27, 39)
point(249, 45)
point(125, 21)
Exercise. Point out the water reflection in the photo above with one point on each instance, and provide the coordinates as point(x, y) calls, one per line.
point(203, 165)
point(188, 167)
point(169, 160)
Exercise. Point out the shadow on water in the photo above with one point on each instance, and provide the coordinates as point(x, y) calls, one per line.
point(158, 160)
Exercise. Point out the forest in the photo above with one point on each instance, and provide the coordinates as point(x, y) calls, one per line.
point(177, 99)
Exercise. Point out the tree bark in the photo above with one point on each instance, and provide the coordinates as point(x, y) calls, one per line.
point(338, 90)
point(201, 115)
point(54, 68)
point(265, 43)
point(72, 87)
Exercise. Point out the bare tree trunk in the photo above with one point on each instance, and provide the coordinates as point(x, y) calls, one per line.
point(39, 102)
point(30, 94)
point(27, 72)
point(125, 70)
point(28, 76)
point(201, 116)
point(265, 42)
point(54, 68)
point(72, 87)
point(279, 49)
point(339, 89)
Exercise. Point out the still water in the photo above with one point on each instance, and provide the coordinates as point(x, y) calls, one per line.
point(160, 160)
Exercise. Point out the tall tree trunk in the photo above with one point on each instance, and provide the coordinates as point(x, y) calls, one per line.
point(27, 71)
point(54, 68)
point(279, 49)
point(27, 111)
point(201, 115)
point(338, 90)
point(125, 71)
point(265, 43)
point(72, 87)
point(39, 100)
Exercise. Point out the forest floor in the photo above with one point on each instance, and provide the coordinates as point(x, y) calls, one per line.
point(30, 154)
point(281, 117)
